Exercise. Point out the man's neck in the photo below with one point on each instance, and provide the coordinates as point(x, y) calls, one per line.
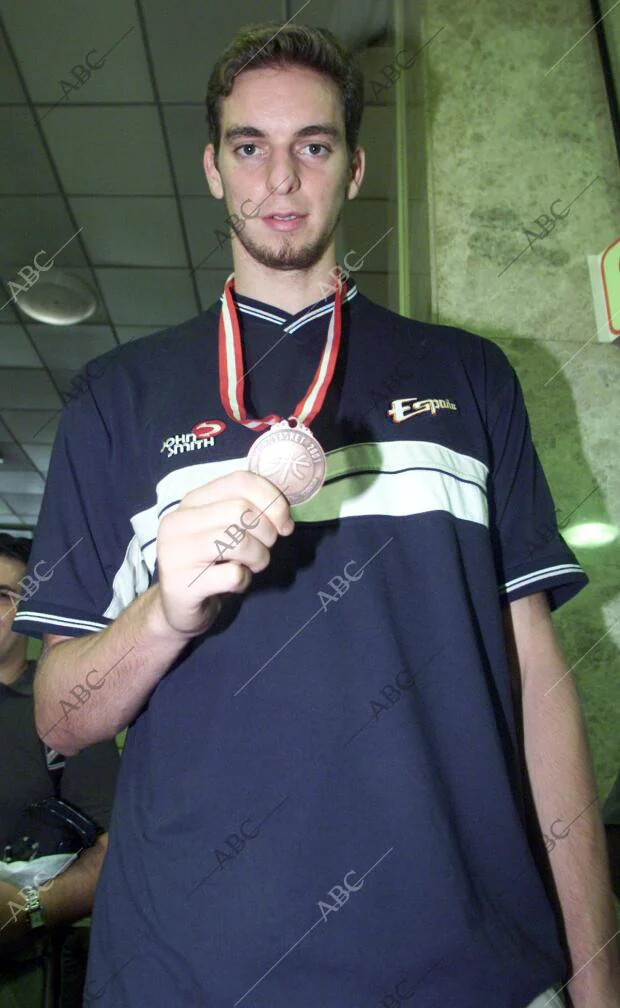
point(290, 290)
point(12, 665)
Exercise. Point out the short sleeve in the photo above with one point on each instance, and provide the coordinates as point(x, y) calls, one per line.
point(85, 565)
point(89, 781)
point(530, 554)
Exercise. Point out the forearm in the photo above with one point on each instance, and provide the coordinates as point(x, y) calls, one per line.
point(563, 786)
point(88, 689)
point(64, 898)
point(69, 896)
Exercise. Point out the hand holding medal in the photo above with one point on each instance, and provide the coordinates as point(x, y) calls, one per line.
point(287, 454)
point(221, 534)
point(286, 458)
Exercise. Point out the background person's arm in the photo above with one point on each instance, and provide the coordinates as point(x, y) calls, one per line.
point(64, 899)
point(559, 766)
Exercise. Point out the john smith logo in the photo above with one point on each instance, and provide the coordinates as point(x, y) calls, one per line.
point(202, 435)
point(402, 409)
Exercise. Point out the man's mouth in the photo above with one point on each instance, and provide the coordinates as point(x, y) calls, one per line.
point(284, 221)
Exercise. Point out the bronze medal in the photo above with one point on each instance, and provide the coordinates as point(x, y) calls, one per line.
point(289, 456)
point(287, 453)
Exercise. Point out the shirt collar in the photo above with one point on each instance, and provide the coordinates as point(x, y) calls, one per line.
point(267, 313)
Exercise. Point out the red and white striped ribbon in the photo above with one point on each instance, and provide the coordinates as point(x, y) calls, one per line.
point(232, 374)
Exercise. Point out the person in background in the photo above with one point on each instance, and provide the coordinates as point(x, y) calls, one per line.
point(35, 925)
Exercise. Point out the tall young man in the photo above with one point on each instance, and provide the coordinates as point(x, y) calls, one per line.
point(350, 723)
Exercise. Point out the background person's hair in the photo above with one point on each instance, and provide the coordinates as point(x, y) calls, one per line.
point(15, 548)
point(274, 44)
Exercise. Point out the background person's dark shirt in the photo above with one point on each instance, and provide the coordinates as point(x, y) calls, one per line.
point(87, 782)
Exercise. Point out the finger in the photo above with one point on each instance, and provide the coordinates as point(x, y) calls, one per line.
point(236, 578)
point(181, 550)
point(247, 551)
point(256, 490)
point(215, 579)
point(223, 520)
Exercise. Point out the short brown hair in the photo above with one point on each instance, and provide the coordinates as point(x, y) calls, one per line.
point(15, 548)
point(274, 44)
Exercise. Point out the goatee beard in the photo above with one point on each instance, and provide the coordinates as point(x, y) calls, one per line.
point(287, 257)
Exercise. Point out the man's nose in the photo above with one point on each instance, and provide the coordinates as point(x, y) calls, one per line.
point(282, 176)
point(250, 209)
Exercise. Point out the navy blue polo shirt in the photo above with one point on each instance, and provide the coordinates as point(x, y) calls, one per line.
point(322, 800)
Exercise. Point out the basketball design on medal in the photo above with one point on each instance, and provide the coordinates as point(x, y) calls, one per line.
point(289, 456)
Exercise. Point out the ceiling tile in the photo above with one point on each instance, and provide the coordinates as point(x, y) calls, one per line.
point(187, 132)
point(16, 349)
point(8, 314)
point(63, 378)
point(109, 150)
point(155, 298)
point(25, 526)
point(207, 232)
point(70, 347)
point(111, 29)
point(127, 334)
point(32, 224)
point(20, 483)
point(10, 87)
point(136, 231)
point(14, 458)
point(4, 509)
point(211, 284)
point(26, 388)
point(181, 56)
point(39, 455)
point(24, 167)
point(26, 504)
point(29, 425)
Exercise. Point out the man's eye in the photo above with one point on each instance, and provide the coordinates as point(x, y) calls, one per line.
point(322, 146)
point(244, 147)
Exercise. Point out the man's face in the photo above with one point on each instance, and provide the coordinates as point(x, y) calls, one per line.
point(282, 152)
point(11, 571)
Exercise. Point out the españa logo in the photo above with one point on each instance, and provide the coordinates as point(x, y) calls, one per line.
point(402, 409)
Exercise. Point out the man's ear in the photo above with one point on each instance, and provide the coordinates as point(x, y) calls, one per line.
point(211, 173)
point(356, 173)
